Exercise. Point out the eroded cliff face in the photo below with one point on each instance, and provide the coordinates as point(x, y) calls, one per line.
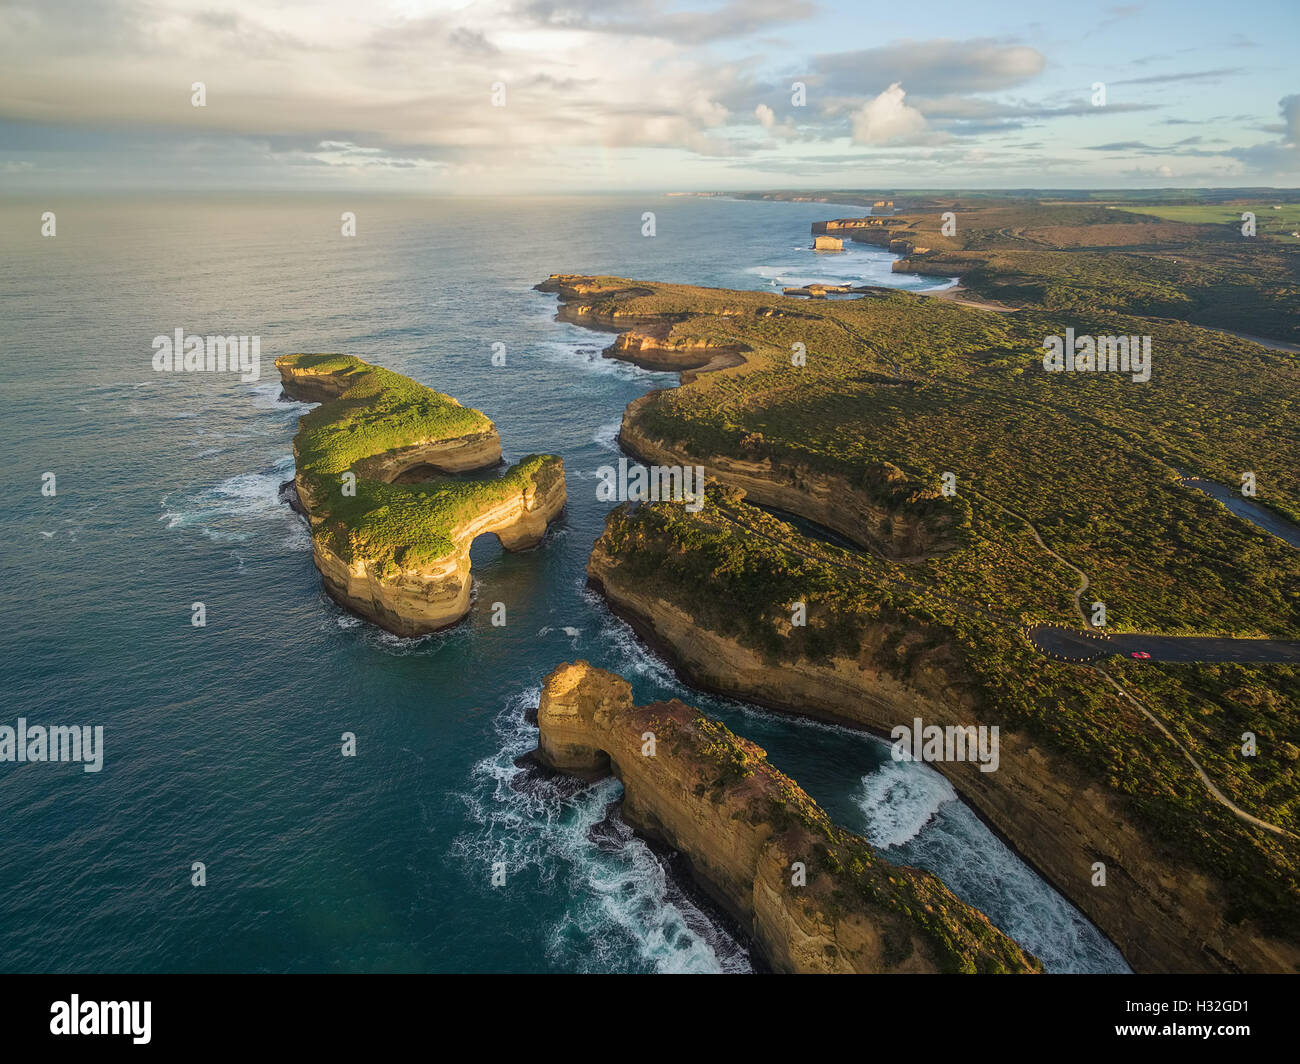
point(644, 349)
point(1163, 915)
point(896, 530)
point(895, 519)
point(309, 384)
point(413, 597)
point(744, 829)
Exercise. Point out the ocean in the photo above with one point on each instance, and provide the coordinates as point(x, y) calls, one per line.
point(222, 743)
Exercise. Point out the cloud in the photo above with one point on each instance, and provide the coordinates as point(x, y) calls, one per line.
point(966, 116)
point(1157, 171)
point(931, 68)
point(604, 91)
point(1115, 15)
point(472, 42)
point(1289, 106)
point(1122, 145)
point(330, 77)
point(646, 18)
point(1195, 75)
point(1185, 149)
point(887, 118)
point(709, 113)
point(767, 119)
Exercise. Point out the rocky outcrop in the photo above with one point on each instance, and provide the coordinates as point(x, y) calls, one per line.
point(812, 897)
point(876, 237)
point(900, 527)
point(419, 597)
point(852, 226)
point(886, 511)
point(654, 352)
point(391, 527)
point(821, 291)
point(828, 243)
point(1163, 914)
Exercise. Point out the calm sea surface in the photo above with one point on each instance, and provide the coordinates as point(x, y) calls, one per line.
point(222, 743)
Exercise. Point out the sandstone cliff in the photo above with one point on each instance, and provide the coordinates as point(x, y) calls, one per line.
point(392, 543)
point(414, 596)
point(886, 511)
point(1164, 915)
point(894, 527)
point(745, 829)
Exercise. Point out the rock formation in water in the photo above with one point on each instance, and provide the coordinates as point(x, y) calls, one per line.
point(374, 475)
point(811, 896)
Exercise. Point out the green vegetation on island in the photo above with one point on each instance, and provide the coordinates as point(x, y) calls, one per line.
point(377, 411)
point(377, 469)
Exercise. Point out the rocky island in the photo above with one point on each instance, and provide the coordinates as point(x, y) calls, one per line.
point(810, 896)
point(375, 476)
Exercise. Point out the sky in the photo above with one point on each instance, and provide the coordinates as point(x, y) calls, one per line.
point(548, 96)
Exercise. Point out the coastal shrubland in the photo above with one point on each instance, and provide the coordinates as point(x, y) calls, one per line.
point(1190, 263)
point(898, 390)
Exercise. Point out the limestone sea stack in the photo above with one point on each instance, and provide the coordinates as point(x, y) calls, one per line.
point(391, 525)
point(811, 896)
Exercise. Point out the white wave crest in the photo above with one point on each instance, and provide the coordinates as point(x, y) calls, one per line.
point(899, 799)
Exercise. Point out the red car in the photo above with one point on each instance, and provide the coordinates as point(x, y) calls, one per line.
point(1142, 655)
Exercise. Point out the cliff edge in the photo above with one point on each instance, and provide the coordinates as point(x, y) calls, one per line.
point(813, 897)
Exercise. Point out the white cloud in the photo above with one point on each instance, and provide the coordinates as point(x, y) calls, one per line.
point(1290, 108)
point(767, 119)
point(708, 113)
point(887, 118)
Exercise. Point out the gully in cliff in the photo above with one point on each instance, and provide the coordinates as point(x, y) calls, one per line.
point(811, 896)
point(391, 525)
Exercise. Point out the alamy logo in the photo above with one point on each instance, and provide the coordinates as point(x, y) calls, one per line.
point(1098, 354)
point(638, 483)
point(102, 1017)
point(56, 743)
point(955, 742)
point(213, 354)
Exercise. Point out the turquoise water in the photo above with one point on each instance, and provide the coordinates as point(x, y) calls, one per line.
point(222, 743)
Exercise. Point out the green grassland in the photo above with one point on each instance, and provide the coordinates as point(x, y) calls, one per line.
point(1089, 459)
point(404, 526)
point(1189, 263)
point(1269, 218)
point(393, 525)
point(931, 387)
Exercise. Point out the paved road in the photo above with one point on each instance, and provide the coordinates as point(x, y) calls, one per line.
point(1257, 515)
point(1066, 644)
